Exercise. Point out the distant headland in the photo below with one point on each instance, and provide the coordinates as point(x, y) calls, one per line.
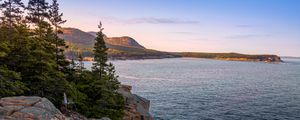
point(127, 48)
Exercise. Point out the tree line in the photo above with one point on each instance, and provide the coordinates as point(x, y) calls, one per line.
point(32, 62)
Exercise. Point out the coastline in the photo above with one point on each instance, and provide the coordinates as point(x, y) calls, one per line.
point(277, 60)
point(33, 107)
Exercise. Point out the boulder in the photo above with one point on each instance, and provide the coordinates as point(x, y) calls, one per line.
point(28, 108)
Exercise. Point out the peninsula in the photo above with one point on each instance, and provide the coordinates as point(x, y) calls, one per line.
point(127, 48)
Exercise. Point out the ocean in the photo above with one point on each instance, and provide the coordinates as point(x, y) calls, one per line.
point(205, 89)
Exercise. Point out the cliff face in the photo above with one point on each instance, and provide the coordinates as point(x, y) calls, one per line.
point(81, 38)
point(124, 41)
point(137, 108)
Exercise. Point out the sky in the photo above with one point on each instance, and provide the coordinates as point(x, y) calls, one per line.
point(243, 26)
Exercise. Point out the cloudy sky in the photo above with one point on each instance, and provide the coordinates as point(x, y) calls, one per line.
point(244, 26)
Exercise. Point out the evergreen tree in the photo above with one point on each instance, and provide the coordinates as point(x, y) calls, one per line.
point(31, 52)
point(103, 88)
point(37, 11)
point(55, 17)
point(80, 64)
point(112, 77)
point(100, 55)
point(10, 83)
point(12, 10)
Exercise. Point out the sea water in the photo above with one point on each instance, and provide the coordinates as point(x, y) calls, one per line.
point(204, 89)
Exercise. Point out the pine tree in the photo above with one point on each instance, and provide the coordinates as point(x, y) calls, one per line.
point(100, 55)
point(103, 88)
point(10, 80)
point(10, 83)
point(29, 62)
point(80, 64)
point(12, 14)
point(39, 67)
point(12, 10)
point(37, 11)
point(112, 77)
point(55, 17)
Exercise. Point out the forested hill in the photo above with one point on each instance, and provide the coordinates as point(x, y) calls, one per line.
point(128, 48)
point(119, 47)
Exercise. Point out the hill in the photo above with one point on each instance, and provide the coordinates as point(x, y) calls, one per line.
point(124, 41)
point(77, 36)
point(128, 48)
point(92, 33)
point(119, 47)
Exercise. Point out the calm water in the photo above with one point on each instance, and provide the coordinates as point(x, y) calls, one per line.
point(196, 89)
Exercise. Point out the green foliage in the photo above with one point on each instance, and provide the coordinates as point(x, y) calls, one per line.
point(12, 10)
point(104, 101)
point(227, 55)
point(32, 63)
point(100, 54)
point(10, 83)
point(37, 11)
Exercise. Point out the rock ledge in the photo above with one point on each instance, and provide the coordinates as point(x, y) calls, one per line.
point(37, 108)
point(28, 108)
point(136, 107)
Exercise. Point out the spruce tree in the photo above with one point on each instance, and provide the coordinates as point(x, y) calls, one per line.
point(100, 55)
point(37, 11)
point(55, 17)
point(103, 88)
point(40, 68)
point(12, 14)
point(10, 83)
point(28, 64)
point(12, 10)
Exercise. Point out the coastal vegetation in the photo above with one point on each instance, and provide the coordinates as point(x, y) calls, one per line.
point(33, 62)
point(232, 56)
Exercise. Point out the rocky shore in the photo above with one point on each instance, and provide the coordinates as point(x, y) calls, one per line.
point(28, 108)
point(37, 108)
point(137, 107)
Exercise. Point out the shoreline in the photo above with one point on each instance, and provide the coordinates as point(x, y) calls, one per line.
point(221, 59)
